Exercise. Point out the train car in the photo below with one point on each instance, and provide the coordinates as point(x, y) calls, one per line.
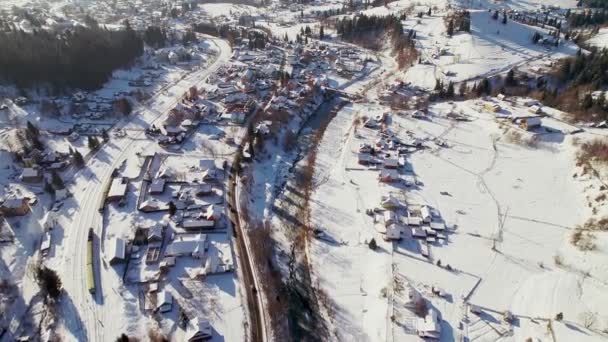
point(89, 264)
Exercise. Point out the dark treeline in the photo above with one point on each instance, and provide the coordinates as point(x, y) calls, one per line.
point(593, 3)
point(588, 17)
point(257, 38)
point(231, 34)
point(369, 31)
point(83, 57)
point(363, 27)
point(155, 37)
point(458, 21)
point(577, 78)
point(586, 69)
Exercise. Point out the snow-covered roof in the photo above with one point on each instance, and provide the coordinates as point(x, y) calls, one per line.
point(197, 224)
point(117, 250)
point(533, 121)
point(30, 172)
point(429, 326)
point(198, 329)
point(118, 188)
point(187, 246)
point(150, 204)
point(389, 174)
point(393, 232)
point(157, 186)
point(389, 202)
point(389, 217)
point(213, 212)
point(155, 233)
point(164, 301)
point(13, 203)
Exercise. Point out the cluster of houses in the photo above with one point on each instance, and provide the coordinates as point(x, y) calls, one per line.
point(193, 200)
point(410, 220)
point(402, 95)
point(186, 242)
point(419, 318)
point(182, 120)
point(529, 121)
point(388, 153)
point(36, 162)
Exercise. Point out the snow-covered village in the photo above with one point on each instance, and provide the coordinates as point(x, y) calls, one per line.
point(311, 170)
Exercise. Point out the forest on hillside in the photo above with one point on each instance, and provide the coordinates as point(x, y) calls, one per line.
point(83, 57)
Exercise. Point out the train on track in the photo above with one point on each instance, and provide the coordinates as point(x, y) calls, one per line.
point(90, 265)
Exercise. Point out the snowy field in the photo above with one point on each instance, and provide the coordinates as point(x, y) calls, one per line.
point(490, 48)
point(485, 188)
point(600, 40)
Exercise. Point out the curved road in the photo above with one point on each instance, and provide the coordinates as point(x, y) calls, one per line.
point(98, 312)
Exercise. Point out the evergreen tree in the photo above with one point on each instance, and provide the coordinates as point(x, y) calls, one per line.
point(510, 79)
point(438, 85)
point(321, 33)
point(373, 245)
point(82, 57)
point(48, 188)
point(462, 91)
point(172, 209)
point(450, 30)
point(57, 181)
point(33, 130)
point(93, 143)
point(105, 136)
point(587, 101)
point(504, 18)
point(449, 93)
point(429, 12)
point(49, 282)
point(485, 87)
point(78, 159)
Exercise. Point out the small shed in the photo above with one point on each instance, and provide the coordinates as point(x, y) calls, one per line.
point(390, 217)
point(531, 123)
point(389, 202)
point(117, 251)
point(198, 330)
point(535, 109)
point(437, 225)
point(492, 107)
point(425, 213)
point(155, 233)
point(118, 190)
point(31, 175)
point(158, 186)
point(203, 190)
point(193, 224)
point(388, 176)
point(15, 207)
point(213, 213)
point(429, 326)
point(150, 205)
point(364, 158)
point(393, 232)
point(164, 301)
point(414, 221)
point(391, 163)
point(419, 233)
